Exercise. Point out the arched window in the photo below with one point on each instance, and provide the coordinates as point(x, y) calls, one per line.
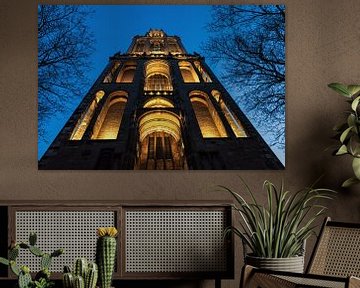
point(160, 143)
point(127, 73)
point(86, 117)
point(209, 122)
point(157, 76)
point(233, 121)
point(108, 122)
point(203, 73)
point(188, 73)
point(111, 75)
point(158, 102)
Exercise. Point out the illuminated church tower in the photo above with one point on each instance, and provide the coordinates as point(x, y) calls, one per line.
point(157, 107)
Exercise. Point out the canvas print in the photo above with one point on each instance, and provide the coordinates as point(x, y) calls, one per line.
point(161, 87)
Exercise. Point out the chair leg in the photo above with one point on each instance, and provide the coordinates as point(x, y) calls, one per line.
point(217, 283)
point(246, 273)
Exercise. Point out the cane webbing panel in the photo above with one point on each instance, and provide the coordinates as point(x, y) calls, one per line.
point(260, 280)
point(74, 231)
point(338, 252)
point(313, 282)
point(175, 241)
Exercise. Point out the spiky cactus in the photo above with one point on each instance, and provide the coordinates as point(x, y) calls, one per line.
point(91, 276)
point(81, 266)
point(79, 282)
point(106, 254)
point(23, 273)
point(68, 280)
point(84, 274)
point(24, 280)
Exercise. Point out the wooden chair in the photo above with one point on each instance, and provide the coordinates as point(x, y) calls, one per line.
point(334, 263)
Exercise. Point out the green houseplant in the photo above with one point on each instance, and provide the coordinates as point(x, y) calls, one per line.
point(275, 233)
point(42, 278)
point(349, 131)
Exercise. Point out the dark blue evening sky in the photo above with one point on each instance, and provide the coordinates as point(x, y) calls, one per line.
point(114, 26)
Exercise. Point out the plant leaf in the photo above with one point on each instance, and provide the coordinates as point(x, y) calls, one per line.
point(345, 134)
point(349, 182)
point(353, 89)
point(342, 150)
point(355, 103)
point(356, 167)
point(4, 261)
point(340, 88)
point(351, 120)
point(354, 145)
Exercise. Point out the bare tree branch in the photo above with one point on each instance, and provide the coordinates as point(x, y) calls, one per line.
point(64, 46)
point(249, 44)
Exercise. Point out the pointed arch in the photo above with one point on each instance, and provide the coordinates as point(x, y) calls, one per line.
point(127, 72)
point(188, 73)
point(202, 71)
point(159, 121)
point(86, 117)
point(157, 76)
point(231, 118)
point(160, 142)
point(109, 120)
point(207, 117)
point(111, 75)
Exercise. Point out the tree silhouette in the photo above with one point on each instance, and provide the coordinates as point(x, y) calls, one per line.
point(64, 45)
point(249, 44)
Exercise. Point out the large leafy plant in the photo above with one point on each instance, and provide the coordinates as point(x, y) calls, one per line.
point(349, 131)
point(279, 229)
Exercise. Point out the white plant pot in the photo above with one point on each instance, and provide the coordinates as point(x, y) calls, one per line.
point(291, 264)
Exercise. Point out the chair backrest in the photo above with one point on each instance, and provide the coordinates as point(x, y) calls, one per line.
point(337, 251)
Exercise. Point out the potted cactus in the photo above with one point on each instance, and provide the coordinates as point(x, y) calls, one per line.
point(106, 254)
point(42, 278)
point(84, 275)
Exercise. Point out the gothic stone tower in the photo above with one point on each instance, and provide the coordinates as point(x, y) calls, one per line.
point(158, 107)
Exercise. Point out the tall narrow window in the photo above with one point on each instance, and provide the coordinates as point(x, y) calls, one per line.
point(127, 73)
point(203, 73)
point(86, 117)
point(108, 122)
point(233, 121)
point(209, 121)
point(157, 76)
point(188, 73)
point(111, 75)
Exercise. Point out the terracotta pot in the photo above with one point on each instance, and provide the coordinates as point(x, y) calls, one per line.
point(291, 264)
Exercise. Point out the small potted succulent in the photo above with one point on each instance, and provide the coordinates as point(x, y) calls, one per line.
point(348, 132)
point(275, 233)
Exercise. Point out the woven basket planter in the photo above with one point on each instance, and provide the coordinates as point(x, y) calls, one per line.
point(291, 264)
